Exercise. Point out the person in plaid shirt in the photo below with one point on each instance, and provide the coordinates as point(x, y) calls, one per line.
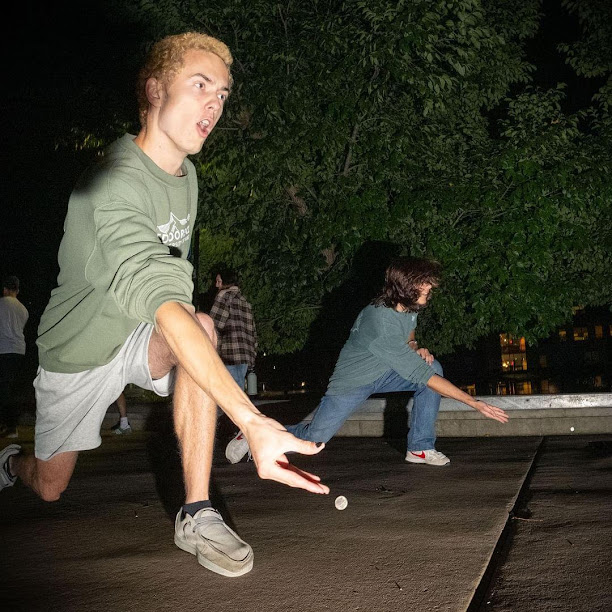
point(233, 318)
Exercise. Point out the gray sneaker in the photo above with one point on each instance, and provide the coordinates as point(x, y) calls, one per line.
point(6, 479)
point(237, 448)
point(216, 546)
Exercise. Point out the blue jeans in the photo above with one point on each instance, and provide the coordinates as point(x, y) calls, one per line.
point(238, 373)
point(335, 409)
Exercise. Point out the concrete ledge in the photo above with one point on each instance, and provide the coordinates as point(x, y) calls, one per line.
point(532, 402)
point(525, 422)
point(530, 415)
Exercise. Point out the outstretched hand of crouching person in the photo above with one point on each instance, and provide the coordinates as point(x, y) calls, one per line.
point(492, 412)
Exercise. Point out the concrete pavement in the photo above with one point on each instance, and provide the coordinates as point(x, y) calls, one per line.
point(412, 538)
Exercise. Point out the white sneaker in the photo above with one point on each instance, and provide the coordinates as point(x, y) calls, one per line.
point(237, 448)
point(216, 546)
point(6, 479)
point(430, 457)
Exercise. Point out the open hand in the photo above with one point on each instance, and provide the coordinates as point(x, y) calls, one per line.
point(269, 441)
point(492, 412)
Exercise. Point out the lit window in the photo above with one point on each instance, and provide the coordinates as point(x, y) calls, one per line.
point(469, 389)
point(581, 333)
point(563, 335)
point(599, 331)
point(502, 389)
point(513, 352)
point(597, 381)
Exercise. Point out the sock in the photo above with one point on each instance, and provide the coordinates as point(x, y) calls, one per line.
point(193, 507)
point(124, 423)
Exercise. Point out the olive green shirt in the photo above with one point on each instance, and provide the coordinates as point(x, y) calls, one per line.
point(126, 238)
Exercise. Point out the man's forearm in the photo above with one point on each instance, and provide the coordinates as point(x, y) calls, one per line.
point(446, 388)
point(196, 354)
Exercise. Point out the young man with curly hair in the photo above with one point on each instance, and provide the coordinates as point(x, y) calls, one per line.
point(381, 355)
point(122, 310)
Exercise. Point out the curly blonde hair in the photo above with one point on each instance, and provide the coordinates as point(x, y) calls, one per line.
point(166, 58)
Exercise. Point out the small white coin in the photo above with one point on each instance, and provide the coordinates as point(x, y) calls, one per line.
point(571, 429)
point(341, 502)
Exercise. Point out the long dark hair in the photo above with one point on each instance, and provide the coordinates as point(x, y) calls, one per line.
point(229, 276)
point(404, 278)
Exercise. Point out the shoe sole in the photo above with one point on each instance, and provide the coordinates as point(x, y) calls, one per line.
point(235, 459)
point(423, 462)
point(209, 565)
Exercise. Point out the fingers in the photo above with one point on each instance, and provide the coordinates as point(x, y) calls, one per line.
point(493, 412)
point(306, 448)
point(282, 471)
point(426, 355)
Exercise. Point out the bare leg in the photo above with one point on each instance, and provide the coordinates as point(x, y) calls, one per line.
point(122, 405)
point(48, 479)
point(195, 415)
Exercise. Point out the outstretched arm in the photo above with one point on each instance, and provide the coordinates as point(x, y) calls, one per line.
point(447, 389)
point(268, 440)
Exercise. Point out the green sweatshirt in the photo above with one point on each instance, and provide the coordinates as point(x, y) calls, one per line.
point(378, 343)
point(123, 254)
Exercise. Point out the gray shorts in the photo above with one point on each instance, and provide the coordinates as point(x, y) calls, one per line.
point(70, 408)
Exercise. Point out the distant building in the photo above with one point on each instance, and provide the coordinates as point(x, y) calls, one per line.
point(576, 358)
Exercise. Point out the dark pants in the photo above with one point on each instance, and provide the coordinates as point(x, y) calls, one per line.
point(10, 363)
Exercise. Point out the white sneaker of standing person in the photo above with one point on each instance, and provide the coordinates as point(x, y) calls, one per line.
point(216, 546)
point(430, 457)
point(237, 448)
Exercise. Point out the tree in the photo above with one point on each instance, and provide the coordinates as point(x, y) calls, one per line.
point(358, 122)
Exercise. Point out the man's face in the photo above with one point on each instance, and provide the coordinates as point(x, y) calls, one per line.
point(218, 282)
point(191, 105)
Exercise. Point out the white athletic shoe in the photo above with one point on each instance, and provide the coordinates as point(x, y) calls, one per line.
point(430, 457)
point(7, 479)
point(237, 448)
point(216, 546)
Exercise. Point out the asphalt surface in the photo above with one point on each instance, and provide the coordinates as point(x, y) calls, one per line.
point(514, 524)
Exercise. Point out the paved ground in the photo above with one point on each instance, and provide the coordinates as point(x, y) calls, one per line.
point(412, 538)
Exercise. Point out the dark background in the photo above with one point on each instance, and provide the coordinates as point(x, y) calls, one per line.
point(71, 61)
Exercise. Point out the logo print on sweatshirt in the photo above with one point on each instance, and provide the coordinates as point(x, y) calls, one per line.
point(175, 232)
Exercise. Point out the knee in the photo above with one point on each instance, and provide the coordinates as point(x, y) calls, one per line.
point(209, 326)
point(51, 491)
point(437, 368)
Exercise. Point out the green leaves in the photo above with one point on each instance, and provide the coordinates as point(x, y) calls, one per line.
point(352, 123)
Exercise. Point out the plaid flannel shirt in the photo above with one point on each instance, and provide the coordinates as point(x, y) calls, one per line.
point(233, 318)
